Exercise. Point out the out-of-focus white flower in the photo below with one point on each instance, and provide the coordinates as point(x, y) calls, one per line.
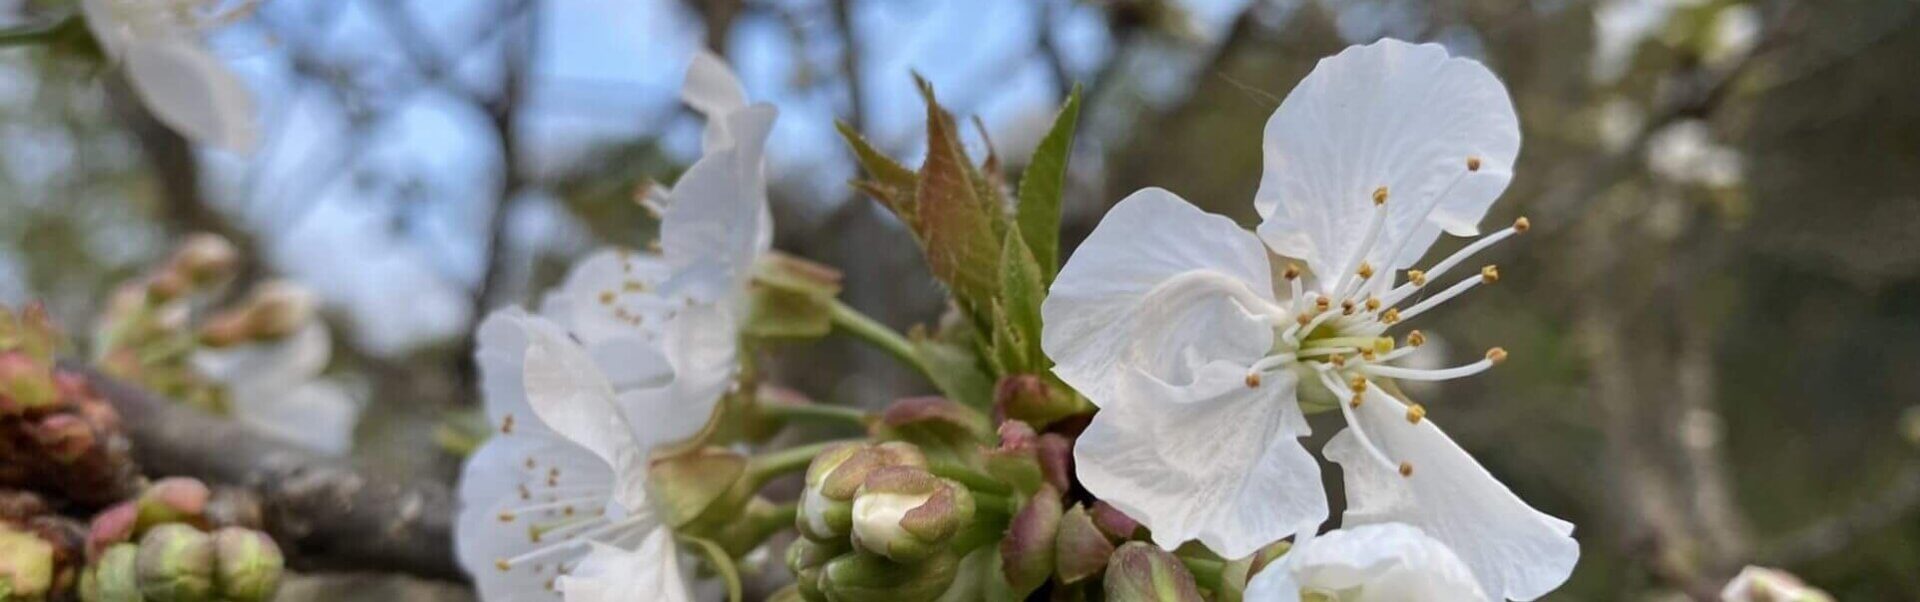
point(1373, 563)
point(1169, 319)
point(159, 44)
point(1685, 152)
point(1761, 584)
point(277, 386)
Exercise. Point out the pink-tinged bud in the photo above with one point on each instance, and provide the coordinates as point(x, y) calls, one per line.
point(175, 564)
point(205, 259)
point(906, 514)
point(247, 565)
point(279, 308)
point(936, 424)
point(1016, 461)
point(64, 437)
point(26, 564)
point(1055, 453)
point(167, 285)
point(1142, 572)
point(1116, 524)
point(1026, 553)
point(173, 499)
point(114, 525)
point(826, 505)
point(1080, 549)
point(25, 381)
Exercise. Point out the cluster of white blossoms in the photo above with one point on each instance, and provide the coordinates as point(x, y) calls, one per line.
point(631, 354)
point(160, 45)
point(1205, 352)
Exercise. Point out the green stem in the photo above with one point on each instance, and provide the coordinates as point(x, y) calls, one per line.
point(816, 412)
point(722, 564)
point(975, 480)
point(850, 320)
point(766, 467)
point(36, 33)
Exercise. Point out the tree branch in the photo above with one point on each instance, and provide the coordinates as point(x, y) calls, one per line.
point(326, 513)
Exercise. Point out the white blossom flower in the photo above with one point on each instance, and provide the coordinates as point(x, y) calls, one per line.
point(566, 471)
point(1761, 584)
point(1374, 563)
point(1169, 319)
point(277, 388)
point(158, 43)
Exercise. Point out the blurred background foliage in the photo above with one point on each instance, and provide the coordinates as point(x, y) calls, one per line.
point(1714, 321)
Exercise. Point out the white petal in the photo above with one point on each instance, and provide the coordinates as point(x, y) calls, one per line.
point(501, 353)
point(1387, 562)
point(571, 396)
point(318, 415)
point(611, 294)
point(1226, 469)
point(608, 574)
point(716, 222)
point(1160, 286)
point(714, 91)
point(1516, 552)
point(511, 472)
point(1387, 114)
point(701, 342)
point(192, 92)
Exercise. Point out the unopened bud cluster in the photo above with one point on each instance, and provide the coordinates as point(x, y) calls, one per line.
point(158, 548)
point(56, 435)
point(876, 524)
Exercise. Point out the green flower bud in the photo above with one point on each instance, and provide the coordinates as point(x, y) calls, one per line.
point(1142, 572)
point(861, 577)
point(806, 559)
point(175, 564)
point(826, 506)
point(247, 565)
point(26, 565)
point(205, 259)
point(172, 500)
point(906, 514)
point(116, 574)
point(1080, 549)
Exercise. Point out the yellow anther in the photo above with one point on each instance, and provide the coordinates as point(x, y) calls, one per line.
point(1322, 303)
point(506, 517)
point(1355, 403)
point(1496, 355)
point(1380, 195)
point(506, 425)
point(1490, 274)
point(1416, 339)
point(1373, 304)
point(502, 565)
point(1367, 354)
point(606, 297)
point(1338, 360)
point(1415, 412)
point(653, 245)
point(1521, 225)
point(1366, 270)
point(1346, 307)
point(1358, 384)
point(1303, 320)
point(1253, 380)
point(1406, 469)
point(1417, 277)
point(1383, 344)
point(1473, 163)
point(1391, 316)
point(1292, 271)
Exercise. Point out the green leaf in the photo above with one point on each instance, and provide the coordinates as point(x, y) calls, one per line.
point(955, 371)
point(1018, 321)
point(889, 182)
point(956, 225)
point(1042, 187)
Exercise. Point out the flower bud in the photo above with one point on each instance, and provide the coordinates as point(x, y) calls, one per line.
point(826, 506)
point(64, 437)
point(941, 427)
point(112, 526)
point(26, 564)
point(1080, 549)
point(1026, 553)
point(1055, 453)
point(861, 577)
point(806, 559)
point(1029, 398)
point(173, 499)
point(175, 564)
point(26, 382)
point(906, 514)
point(205, 259)
point(1116, 524)
point(1016, 461)
point(247, 565)
point(1142, 572)
point(279, 308)
point(115, 575)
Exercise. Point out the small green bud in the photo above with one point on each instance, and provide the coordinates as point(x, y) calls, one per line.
point(26, 564)
point(25, 382)
point(1026, 553)
point(1142, 572)
point(806, 559)
point(172, 500)
point(176, 564)
point(862, 577)
point(1080, 549)
point(906, 514)
point(247, 565)
point(116, 575)
point(826, 506)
